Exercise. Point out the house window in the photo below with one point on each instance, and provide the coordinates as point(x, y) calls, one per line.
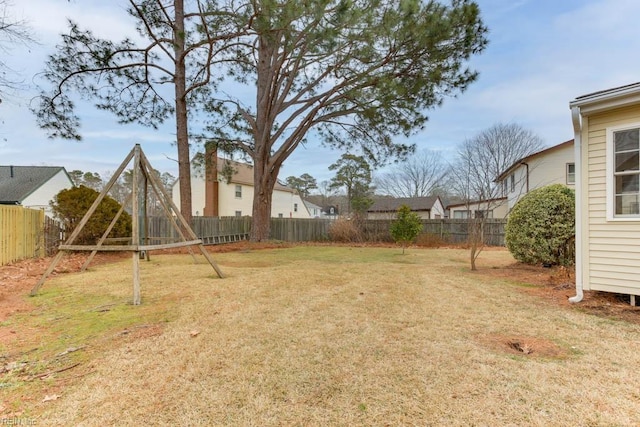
point(280, 215)
point(571, 173)
point(238, 191)
point(512, 182)
point(460, 214)
point(623, 145)
point(295, 207)
point(238, 213)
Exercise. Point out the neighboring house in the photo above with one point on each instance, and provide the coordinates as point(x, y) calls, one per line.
point(425, 207)
point(233, 185)
point(314, 210)
point(330, 212)
point(494, 208)
point(32, 186)
point(607, 135)
point(553, 165)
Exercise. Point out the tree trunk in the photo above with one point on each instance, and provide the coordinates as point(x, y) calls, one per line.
point(474, 248)
point(182, 131)
point(264, 182)
point(265, 173)
point(476, 240)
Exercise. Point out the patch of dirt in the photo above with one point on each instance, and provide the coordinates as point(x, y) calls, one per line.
point(557, 284)
point(17, 279)
point(523, 346)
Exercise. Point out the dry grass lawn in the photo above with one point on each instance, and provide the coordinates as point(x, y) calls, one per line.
point(315, 336)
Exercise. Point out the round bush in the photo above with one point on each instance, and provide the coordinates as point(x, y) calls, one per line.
point(541, 227)
point(70, 205)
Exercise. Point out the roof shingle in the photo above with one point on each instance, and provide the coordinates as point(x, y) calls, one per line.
point(18, 182)
point(392, 205)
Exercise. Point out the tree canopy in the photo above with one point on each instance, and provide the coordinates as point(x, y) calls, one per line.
point(482, 158)
point(13, 31)
point(421, 175)
point(274, 73)
point(133, 78)
point(353, 73)
point(353, 174)
point(303, 184)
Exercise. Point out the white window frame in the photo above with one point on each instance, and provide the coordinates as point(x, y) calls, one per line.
point(512, 182)
point(238, 191)
point(238, 214)
point(569, 174)
point(610, 177)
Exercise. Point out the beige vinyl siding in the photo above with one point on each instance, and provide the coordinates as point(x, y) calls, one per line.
point(612, 248)
point(544, 168)
point(43, 195)
point(550, 168)
point(499, 209)
point(282, 202)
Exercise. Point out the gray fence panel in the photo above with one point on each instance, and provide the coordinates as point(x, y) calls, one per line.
point(214, 230)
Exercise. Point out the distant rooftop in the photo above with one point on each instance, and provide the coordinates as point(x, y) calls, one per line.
point(18, 182)
point(392, 204)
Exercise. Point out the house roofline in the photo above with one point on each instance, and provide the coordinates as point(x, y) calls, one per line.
point(607, 99)
point(73, 184)
point(233, 180)
point(474, 202)
point(507, 171)
point(396, 210)
point(388, 208)
point(24, 196)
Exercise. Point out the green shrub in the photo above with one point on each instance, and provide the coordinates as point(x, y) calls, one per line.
point(406, 227)
point(541, 227)
point(70, 206)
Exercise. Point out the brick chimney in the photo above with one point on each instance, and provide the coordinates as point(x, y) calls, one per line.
point(210, 180)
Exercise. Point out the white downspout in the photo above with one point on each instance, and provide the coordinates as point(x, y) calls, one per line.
point(577, 146)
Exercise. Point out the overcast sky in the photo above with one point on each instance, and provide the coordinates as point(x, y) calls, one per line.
point(542, 54)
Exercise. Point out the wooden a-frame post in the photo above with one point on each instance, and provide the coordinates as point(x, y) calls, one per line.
point(141, 168)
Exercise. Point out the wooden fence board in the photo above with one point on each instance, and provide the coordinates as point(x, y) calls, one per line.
point(231, 229)
point(21, 233)
point(225, 229)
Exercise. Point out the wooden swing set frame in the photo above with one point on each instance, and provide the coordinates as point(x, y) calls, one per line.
point(142, 171)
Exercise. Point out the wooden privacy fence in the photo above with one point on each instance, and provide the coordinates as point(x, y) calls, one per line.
point(21, 233)
point(227, 229)
point(447, 230)
point(300, 230)
point(211, 230)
